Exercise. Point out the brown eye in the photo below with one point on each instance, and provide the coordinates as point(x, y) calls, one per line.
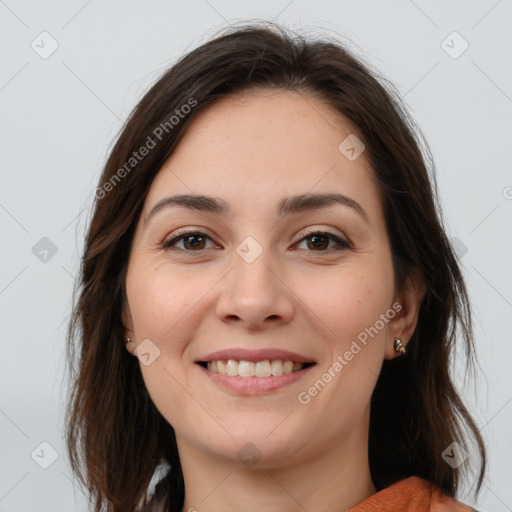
point(320, 241)
point(193, 241)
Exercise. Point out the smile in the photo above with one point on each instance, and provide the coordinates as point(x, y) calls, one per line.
point(267, 368)
point(261, 377)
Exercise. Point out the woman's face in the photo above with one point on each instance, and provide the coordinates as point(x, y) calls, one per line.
point(257, 282)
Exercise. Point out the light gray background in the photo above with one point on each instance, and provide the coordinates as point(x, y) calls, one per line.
point(60, 115)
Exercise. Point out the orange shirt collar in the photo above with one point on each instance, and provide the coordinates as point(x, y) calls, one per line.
point(411, 494)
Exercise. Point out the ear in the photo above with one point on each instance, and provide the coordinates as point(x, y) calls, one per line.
point(131, 346)
point(407, 305)
point(127, 320)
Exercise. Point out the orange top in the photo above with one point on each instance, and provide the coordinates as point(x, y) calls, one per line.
point(413, 494)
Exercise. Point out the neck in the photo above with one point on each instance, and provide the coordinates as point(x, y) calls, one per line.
point(336, 479)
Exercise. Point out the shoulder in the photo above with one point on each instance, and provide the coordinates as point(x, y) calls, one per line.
point(412, 494)
point(440, 502)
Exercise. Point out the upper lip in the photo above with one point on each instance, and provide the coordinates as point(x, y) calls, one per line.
point(263, 354)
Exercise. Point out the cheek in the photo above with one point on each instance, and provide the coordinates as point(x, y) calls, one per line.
point(350, 299)
point(159, 299)
point(161, 302)
point(357, 307)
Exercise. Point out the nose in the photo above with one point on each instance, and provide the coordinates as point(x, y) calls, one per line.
point(255, 295)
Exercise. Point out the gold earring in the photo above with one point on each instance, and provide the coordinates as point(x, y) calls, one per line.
point(399, 346)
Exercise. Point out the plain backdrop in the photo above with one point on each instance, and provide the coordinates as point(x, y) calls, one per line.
point(70, 74)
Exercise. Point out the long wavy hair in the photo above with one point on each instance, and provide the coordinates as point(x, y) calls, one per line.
point(116, 437)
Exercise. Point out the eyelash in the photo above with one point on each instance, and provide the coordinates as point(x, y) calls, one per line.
point(342, 244)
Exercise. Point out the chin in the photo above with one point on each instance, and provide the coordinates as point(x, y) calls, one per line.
point(266, 443)
point(258, 454)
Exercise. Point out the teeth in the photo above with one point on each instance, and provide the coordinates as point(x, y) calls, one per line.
point(232, 367)
point(246, 369)
point(276, 368)
point(262, 369)
point(287, 367)
point(266, 368)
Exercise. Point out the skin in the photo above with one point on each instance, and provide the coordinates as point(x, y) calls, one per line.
point(252, 149)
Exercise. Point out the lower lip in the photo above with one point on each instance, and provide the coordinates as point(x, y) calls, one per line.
point(255, 385)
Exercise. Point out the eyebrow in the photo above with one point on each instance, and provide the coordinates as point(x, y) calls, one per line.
point(287, 205)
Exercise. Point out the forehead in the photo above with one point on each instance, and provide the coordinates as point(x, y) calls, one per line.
point(262, 143)
point(291, 125)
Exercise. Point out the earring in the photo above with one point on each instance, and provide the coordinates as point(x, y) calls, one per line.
point(399, 346)
point(130, 345)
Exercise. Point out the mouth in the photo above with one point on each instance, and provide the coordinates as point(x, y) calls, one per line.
point(242, 371)
point(263, 368)
point(242, 377)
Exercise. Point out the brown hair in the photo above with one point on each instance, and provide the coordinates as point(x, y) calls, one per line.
point(416, 413)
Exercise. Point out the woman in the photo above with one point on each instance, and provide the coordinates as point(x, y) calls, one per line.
point(268, 301)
